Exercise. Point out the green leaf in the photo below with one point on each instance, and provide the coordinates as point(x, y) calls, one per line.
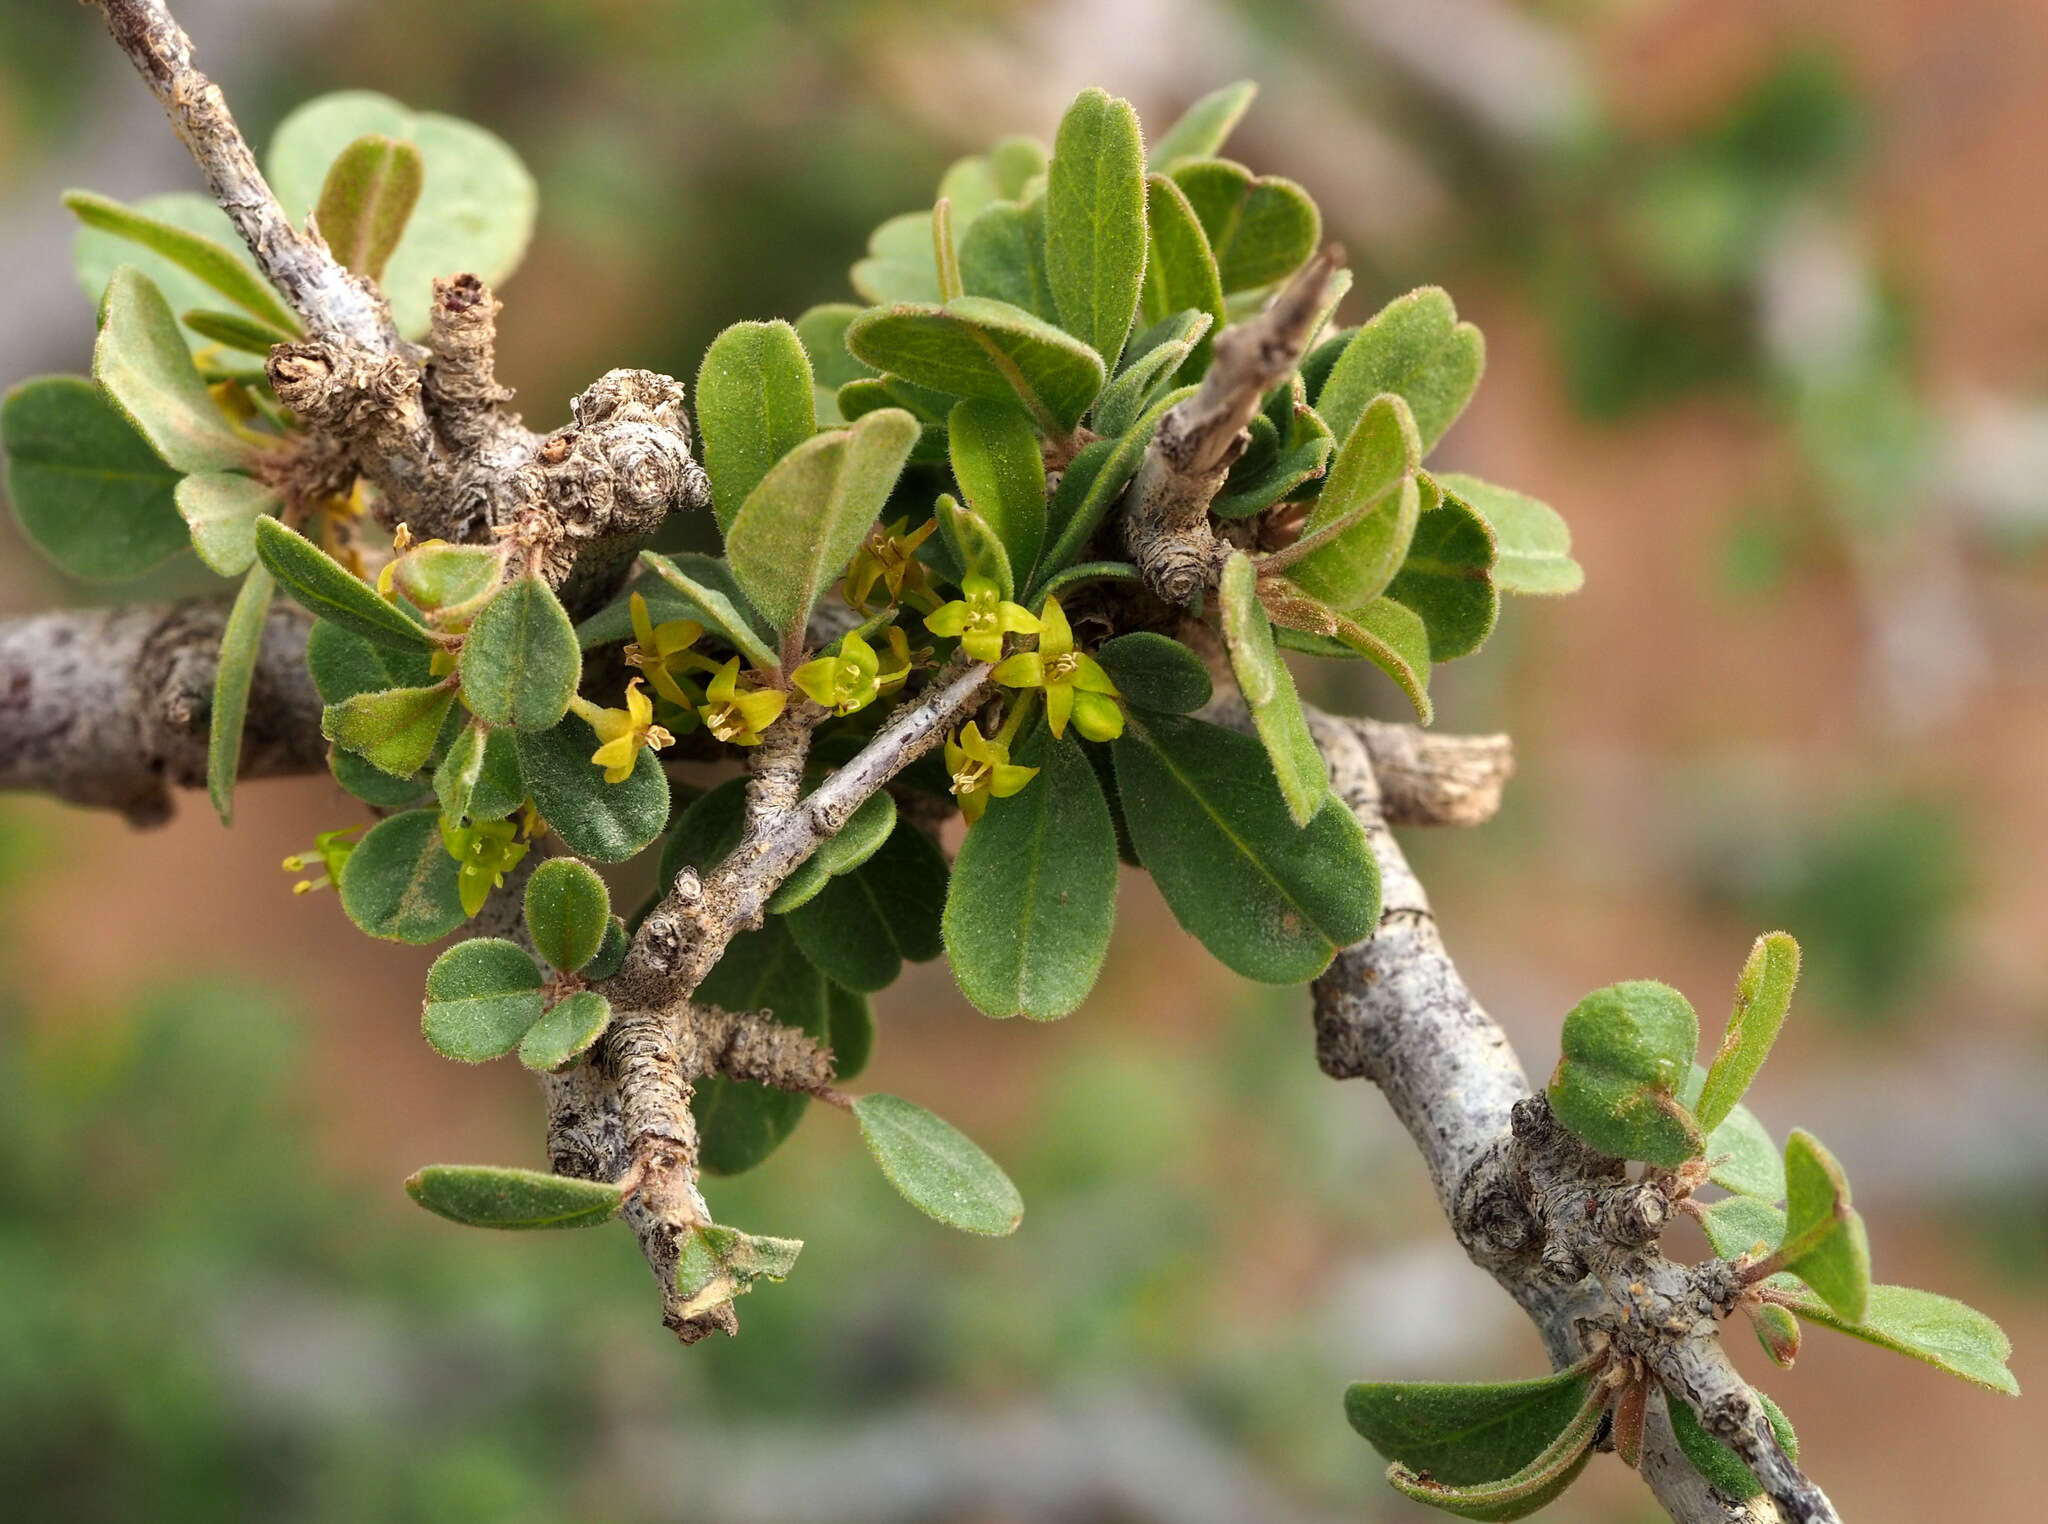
point(1721, 1466)
point(976, 347)
point(567, 911)
point(1262, 229)
point(1273, 471)
point(715, 602)
point(945, 257)
point(1364, 519)
point(852, 1031)
point(520, 660)
point(476, 204)
point(436, 577)
point(1180, 267)
point(1777, 1330)
point(805, 520)
point(1155, 672)
point(483, 1196)
point(1203, 127)
point(1093, 481)
point(1447, 578)
point(1627, 1052)
point(87, 489)
point(973, 546)
point(374, 786)
point(97, 253)
point(754, 405)
point(1520, 1493)
point(479, 778)
point(1462, 1433)
point(1763, 994)
point(611, 952)
point(367, 199)
point(400, 883)
point(606, 822)
point(822, 330)
point(1271, 899)
point(241, 642)
point(1535, 543)
point(1150, 362)
point(996, 460)
point(575, 1022)
point(741, 1124)
point(1268, 689)
point(234, 330)
point(143, 365)
point(862, 926)
point(1743, 1225)
point(937, 1168)
point(221, 509)
point(1826, 1244)
point(858, 840)
point(1388, 634)
point(717, 1264)
point(328, 589)
point(1414, 346)
point(1095, 221)
point(1943, 1332)
point(1749, 1162)
point(705, 832)
point(344, 664)
point(394, 730)
point(1002, 256)
point(1033, 892)
point(220, 267)
point(483, 996)
point(899, 266)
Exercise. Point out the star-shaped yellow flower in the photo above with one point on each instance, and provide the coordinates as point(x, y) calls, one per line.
point(889, 556)
point(846, 682)
point(981, 617)
point(487, 850)
point(1074, 683)
point(737, 714)
point(622, 732)
point(330, 851)
point(982, 770)
point(663, 650)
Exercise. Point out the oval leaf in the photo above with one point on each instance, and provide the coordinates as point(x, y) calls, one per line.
point(483, 996)
point(1268, 689)
point(937, 1168)
point(1095, 220)
point(569, 1029)
point(1153, 671)
point(1763, 994)
point(367, 199)
point(87, 489)
point(606, 822)
point(328, 589)
point(142, 363)
point(485, 1196)
point(1462, 1433)
point(567, 911)
point(221, 509)
point(1826, 1244)
point(520, 660)
point(996, 460)
point(400, 882)
point(1415, 347)
point(1627, 1052)
point(241, 643)
point(976, 347)
point(754, 405)
point(394, 730)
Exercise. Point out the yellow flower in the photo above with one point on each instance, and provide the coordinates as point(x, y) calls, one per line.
point(661, 651)
point(737, 714)
point(487, 851)
point(1075, 684)
point(981, 617)
point(330, 850)
point(982, 770)
point(849, 681)
point(622, 732)
point(895, 667)
point(889, 556)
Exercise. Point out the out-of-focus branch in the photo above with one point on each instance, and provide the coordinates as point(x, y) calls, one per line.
point(110, 707)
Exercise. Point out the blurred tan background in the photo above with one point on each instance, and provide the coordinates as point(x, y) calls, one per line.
point(1766, 294)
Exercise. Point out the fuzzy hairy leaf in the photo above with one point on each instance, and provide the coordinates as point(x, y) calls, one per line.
point(221, 508)
point(1627, 1053)
point(485, 1196)
point(1155, 672)
point(1201, 129)
point(327, 588)
point(1268, 689)
point(1826, 1244)
point(709, 593)
point(754, 405)
point(87, 489)
point(802, 524)
point(977, 347)
point(1946, 1334)
point(1180, 267)
point(1465, 1432)
point(859, 839)
point(606, 822)
point(1535, 544)
point(241, 642)
point(899, 266)
point(1262, 228)
point(483, 996)
point(1033, 892)
point(1094, 480)
point(1150, 363)
point(1763, 994)
point(569, 1028)
point(394, 730)
point(142, 363)
point(400, 883)
point(996, 460)
point(1365, 517)
point(937, 1168)
point(1095, 221)
point(520, 660)
point(1002, 256)
point(221, 267)
point(1271, 899)
point(479, 777)
point(717, 1264)
point(1416, 347)
point(851, 1025)
point(1715, 1461)
point(1447, 578)
point(568, 909)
